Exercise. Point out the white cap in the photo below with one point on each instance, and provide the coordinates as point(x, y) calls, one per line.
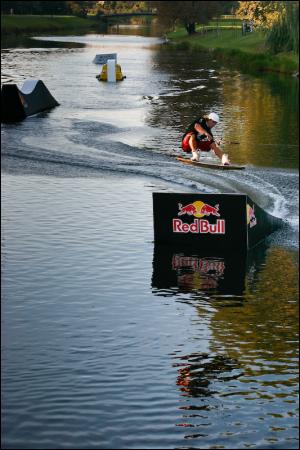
point(213, 116)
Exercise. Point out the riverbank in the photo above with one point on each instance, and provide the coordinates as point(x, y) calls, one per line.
point(17, 24)
point(247, 51)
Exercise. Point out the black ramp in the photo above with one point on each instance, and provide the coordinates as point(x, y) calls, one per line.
point(210, 221)
point(12, 109)
point(37, 97)
point(259, 223)
point(32, 98)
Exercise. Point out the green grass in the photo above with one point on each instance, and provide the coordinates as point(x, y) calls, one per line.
point(27, 24)
point(248, 50)
point(225, 38)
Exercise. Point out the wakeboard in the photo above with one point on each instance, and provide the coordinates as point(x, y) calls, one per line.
point(210, 165)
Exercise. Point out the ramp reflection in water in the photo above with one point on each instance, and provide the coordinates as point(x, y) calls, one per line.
point(177, 270)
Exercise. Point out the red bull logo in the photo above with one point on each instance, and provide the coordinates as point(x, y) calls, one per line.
point(199, 209)
point(251, 218)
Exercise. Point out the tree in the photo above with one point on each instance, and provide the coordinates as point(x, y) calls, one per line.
point(280, 21)
point(20, 7)
point(52, 7)
point(230, 7)
point(284, 33)
point(121, 6)
point(78, 8)
point(34, 7)
point(187, 13)
point(262, 13)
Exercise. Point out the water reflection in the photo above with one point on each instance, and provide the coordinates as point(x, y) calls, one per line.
point(266, 324)
point(139, 27)
point(195, 372)
point(177, 270)
point(254, 110)
point(12, 41)
point(187, 92)
point(250, 306)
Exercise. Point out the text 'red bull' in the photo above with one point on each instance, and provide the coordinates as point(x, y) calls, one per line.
point(201, 226)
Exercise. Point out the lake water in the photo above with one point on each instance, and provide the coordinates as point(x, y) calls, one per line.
point(110, 341)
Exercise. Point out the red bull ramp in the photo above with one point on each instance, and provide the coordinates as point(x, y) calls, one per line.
point(210, 221)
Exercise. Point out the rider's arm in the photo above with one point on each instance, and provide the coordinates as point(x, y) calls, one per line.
point(201, 130)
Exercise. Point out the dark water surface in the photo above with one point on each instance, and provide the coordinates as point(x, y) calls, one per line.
point(109, 341)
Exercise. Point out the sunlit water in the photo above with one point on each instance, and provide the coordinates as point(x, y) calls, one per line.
point(107, 340)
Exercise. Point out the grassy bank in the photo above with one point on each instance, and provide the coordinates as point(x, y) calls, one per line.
point(17, 24)
point(248, 50)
